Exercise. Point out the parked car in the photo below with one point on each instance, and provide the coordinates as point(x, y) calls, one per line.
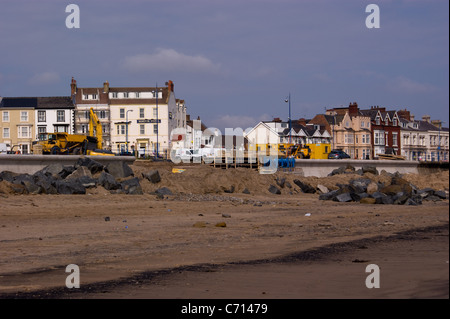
point(338, 154)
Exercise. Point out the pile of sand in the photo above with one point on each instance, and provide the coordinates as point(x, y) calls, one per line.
point(203, 179)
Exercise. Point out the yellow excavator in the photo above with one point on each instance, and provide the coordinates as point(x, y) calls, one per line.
point(73, 144)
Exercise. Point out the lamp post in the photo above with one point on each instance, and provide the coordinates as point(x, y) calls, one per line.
point(288, 100)
point(126, 132)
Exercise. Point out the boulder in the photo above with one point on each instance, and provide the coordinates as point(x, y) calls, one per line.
point(370, 169)
point(69, 187)
point(304, 187)
point(323, 189)
point(92, 165)
point(330, 195)
point(132, 186)
point(119, 169)
point(344, 197)
point(274, 190)
point(81, 171)
point(163, 191)
point(153, 176)
point(368, 200)
point(108, 181)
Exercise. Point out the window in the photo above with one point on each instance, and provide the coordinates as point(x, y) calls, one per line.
point(137, 95)
point(377, 121)
point(42, 129)
point(394, 122)
point(102, 114)
point(6, 132)
point(386, 139)
point(122, 113)
point(155, 112)
point(41, 116)
point(126, 94)
point(142, 113)
point(394, 139)
point(24, 132)
point(155, 128)
point(85, 97)
point(362, 124)
point(84, 128)
point(142, 129)
point(60, 116)
point(24, 116)
point(123, 129)
point(94, 96)
point(5, 116)
point(114, 95)
point(24, 148)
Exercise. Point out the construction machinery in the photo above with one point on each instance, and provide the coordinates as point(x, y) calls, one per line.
point(74, 144)
point(309, 151)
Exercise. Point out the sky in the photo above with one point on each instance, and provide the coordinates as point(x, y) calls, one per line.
point(235, 62)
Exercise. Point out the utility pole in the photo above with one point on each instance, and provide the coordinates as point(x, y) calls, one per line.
point(288, 100)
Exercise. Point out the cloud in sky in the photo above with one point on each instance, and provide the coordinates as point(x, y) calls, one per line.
point(44, 78)
point(407, 85)
point(169, 60)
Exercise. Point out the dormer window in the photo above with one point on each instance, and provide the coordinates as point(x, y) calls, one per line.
point(126, 94)
point(394, 122)
point(137, 94)
point(377, 121)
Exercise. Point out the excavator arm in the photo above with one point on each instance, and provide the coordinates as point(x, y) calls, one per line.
point(95, 125)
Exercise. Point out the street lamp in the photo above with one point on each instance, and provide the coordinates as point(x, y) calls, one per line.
point(288, 100)
point(126, 132)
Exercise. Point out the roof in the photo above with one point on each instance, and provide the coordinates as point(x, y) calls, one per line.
point(55, 102)
point(18, 102)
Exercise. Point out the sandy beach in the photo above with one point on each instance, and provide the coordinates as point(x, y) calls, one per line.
point(202, 242)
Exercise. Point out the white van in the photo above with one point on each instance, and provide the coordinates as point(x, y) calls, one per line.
point(4, 148)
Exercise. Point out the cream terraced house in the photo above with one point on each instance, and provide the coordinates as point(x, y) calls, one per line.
point(17, 123)
point(134, 119)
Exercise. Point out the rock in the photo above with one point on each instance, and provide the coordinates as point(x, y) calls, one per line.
point(394, 189)
point(221, 224)
point(370, 169)
point(163, 191)
point(46, 182)
point(410, 201)
point(66, 171)
point(69, 187)
point(132, 186)
point(31, 187)
point(304, 187)
point(89, 163)
point(344, 197)
point(281, 182)
point(368, 200)
point(372, 188)
point(400, 198)
point(440, 194)
point(329, 196)
point(360, 184)
point(199, 225)
point(107, 219)
point(226, 215)
point(8, 176)
point(108, 181)
point(153, 176)
point(87, 182)
point(323, 189)
point(246, 191)
point(53, 169)
point(287, 184)
point(81, 171)
point(274, 190)
point(229, 190)
point(119, 169)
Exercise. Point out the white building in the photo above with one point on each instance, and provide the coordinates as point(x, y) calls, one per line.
point(134, 119)
point(54, 114)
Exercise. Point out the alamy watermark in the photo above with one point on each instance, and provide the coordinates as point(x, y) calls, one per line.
point(73, 19)
point(373, 19)
point(73, 280)
point(373, 280)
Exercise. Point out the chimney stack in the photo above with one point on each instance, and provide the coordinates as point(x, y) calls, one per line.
point(426, 118)
point(302, 121)
point(437, 123)
point(106, 87)
point(353, 109)
point(404, 114)
point(170, 86)
point(73, 87)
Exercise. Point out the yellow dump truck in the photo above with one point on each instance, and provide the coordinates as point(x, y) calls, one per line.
point(309, 151)
point(73, 144)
